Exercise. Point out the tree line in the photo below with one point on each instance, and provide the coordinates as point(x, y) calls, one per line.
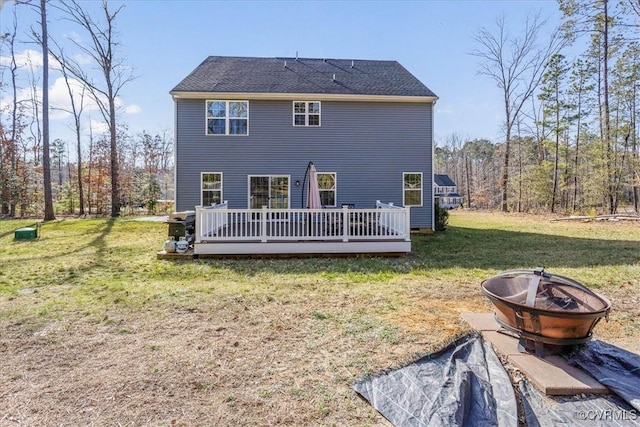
point(570, 120)
point(571, 128)
point(102, 169)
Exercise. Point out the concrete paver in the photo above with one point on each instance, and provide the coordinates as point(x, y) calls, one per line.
point(552, 375)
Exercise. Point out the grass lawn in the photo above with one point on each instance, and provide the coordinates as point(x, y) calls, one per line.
point(95, 330)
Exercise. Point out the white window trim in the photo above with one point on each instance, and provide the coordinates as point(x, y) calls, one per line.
point(227, 118)
point(269, 176)
point(202, 189)
point(335, 188)
point(404, 174)
point(306, 114)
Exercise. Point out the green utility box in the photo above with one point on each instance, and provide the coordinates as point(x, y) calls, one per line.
point(26, 233)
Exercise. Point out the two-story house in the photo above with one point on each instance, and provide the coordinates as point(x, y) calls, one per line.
point(246, 128)
point(446, 191)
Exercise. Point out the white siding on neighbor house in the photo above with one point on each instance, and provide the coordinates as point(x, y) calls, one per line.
point(367, 144)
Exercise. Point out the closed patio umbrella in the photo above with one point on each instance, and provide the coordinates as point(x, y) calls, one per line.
point(313, 197)
point(313, 194)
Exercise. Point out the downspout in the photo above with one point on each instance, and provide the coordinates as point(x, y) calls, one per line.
point(175, 155)
point(433, 208)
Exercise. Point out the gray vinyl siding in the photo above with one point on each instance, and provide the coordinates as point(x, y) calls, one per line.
point(368, 145)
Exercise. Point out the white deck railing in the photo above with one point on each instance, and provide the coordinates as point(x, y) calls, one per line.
point(219, 223)
point(395, 222)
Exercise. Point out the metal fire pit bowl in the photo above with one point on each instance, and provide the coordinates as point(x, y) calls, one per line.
point(549, 313)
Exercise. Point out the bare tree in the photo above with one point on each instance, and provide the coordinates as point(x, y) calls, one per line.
point(633, 6)
point(42, 39)
point(8, 193)
point(516, 64)
point(77, 108)
point(102, 51)
point(46, 163)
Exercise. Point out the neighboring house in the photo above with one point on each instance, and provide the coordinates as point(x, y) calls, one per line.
point(447, 191)
point(246, 129)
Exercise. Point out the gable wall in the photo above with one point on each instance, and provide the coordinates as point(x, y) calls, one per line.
point(368, 145)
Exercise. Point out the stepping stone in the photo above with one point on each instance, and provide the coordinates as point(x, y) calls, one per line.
point(552, 375)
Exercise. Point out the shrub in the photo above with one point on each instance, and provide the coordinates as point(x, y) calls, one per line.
point(442, 217)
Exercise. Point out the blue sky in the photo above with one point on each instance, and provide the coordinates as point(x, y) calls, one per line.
point(165, 40)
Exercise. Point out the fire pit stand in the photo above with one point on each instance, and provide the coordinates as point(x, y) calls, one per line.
point(535, 343)
point(550, 314)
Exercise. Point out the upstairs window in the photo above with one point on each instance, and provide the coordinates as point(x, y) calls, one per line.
point(412, 188)
point(327, 186)
point(227, 117)
point(306, 113)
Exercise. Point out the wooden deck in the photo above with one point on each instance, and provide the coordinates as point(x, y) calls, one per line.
point(222, 231)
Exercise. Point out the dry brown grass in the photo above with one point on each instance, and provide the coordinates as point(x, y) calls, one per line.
point(115, 339)
point(233, 361)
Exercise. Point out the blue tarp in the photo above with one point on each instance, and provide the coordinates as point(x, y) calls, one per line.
point(465, 384)
point(462, 385)
point(612, 366)
point(584, 410)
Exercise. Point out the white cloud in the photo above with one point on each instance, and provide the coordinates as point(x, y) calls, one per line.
point(24, 96)
point(127, 108)
point(59, 102)
point(98, 127)
point(133, 109)
point(58, 114)
point(72, 35)
point(82, 59)
point(28, 57)
point(59, 97)
point(79, 58)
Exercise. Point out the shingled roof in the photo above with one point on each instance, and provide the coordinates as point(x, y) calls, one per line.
point(443, 180)
point(302, 75)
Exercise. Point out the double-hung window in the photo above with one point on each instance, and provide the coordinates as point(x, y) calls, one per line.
point(412, 188)
point(306, 113)
point(327, 186)
point(211, 188)
point(227, 117)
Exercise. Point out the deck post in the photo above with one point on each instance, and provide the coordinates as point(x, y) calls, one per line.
point(263, 224)
point(345, 223)
point(407, 222)
point(198, 224)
